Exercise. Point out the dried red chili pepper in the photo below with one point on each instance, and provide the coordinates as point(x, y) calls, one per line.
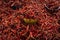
point(52, 11)
point(58, 22)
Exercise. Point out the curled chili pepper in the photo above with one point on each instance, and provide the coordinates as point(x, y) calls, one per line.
point(53, 10)
point(29, 21)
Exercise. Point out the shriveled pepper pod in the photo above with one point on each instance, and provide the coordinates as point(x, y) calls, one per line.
point(53, 10)
point(58, 22)
point(30, 21)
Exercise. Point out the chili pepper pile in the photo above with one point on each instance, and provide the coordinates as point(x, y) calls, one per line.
point(29, 19)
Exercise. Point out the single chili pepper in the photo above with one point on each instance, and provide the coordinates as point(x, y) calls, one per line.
point(0, 18)
point(58, 21)
point(52, 11)
point(6, 1)
point(56, 38)
point(13, 7)
point(58, 29)
point(1, 27)
point(56, 9)
point(29, 21)
point(12, 26)
point(23, 38)
point(48, 9)
point(17, 6)
point(31, 38)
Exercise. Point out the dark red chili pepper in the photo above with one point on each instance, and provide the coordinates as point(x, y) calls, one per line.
point(58, 21)
point(58, 29)
point(12, 26)
point(0, 18)
point(52, 11)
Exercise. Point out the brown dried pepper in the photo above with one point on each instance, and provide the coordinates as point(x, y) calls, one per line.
point(29, 21)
